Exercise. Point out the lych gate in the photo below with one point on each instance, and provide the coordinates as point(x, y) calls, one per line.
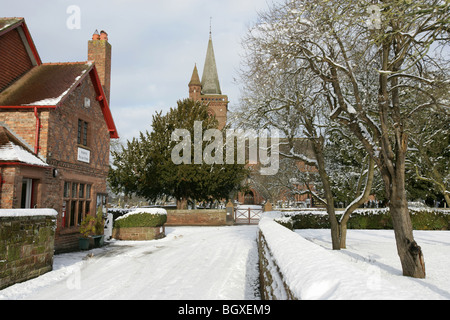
point(248, 214)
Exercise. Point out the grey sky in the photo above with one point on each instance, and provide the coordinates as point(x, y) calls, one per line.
point(155, 46)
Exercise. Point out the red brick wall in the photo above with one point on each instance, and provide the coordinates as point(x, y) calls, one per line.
point(139, 234)
point(218, 105)
point(7, 194)
point(22, 123)
point(196, 218)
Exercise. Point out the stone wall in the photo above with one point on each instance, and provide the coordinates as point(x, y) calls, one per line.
point(196, 218)
point(26, 244)
point(272, 285)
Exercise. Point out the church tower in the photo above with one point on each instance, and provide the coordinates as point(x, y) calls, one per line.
point(208, 89)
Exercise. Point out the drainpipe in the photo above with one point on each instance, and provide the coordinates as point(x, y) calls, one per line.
point(38, 126)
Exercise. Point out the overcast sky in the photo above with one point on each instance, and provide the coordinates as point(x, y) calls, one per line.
point(155, 46)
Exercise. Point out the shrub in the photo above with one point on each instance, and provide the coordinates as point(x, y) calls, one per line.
point(142, 218)
point(87, 227)
point(430, 220)
point(423, 219)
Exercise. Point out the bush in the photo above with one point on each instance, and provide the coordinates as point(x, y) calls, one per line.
point(423, 219)
point(142, 218)
point(310, 221)
point(430, 220)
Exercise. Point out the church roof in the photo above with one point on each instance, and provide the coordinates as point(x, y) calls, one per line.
point(195, 80)
point(210, 78)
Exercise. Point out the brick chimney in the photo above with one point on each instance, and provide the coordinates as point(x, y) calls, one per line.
point(99, 50)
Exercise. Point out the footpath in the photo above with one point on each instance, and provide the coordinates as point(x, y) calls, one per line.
point(191, 263)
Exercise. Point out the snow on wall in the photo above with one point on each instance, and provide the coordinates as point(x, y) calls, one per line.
point(310, 271)
point(27, 212)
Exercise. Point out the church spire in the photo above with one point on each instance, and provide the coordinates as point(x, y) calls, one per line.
point(210, 78)
point(195, 79)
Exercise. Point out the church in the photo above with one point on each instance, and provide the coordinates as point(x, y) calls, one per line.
point(208, 89)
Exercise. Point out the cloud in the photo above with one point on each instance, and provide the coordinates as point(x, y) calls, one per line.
point(155, 46)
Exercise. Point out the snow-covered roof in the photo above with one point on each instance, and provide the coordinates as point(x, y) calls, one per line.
point(13, 150)
point(45, 85)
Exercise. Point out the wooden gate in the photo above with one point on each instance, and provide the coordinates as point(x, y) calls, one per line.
point(248, 214)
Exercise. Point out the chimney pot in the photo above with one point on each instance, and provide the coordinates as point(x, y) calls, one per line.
point(96, 36)
point(103, 35)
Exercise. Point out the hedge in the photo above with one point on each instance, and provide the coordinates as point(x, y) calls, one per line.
point(422, 219)
point(142, 218)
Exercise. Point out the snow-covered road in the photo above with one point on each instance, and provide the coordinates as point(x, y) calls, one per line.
point(191, 263)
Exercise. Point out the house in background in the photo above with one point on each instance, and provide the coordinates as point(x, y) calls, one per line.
point(55, 130)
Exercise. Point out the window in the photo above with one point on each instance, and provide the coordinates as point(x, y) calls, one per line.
point(81, 194)
point(76, 204)
point(66, 189)
point(82, 132)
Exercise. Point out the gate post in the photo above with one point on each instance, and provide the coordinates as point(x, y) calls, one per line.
point(109, 226)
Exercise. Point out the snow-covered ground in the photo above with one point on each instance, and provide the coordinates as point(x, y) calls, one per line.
point(191, 263)
point(375, 252)
point(220, 263)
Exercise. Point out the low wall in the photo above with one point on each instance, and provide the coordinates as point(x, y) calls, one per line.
point(27, 239)
point(139, 234)
point(293, 268)
point(196, 218)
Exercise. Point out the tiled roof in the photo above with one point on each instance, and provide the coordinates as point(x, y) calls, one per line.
point(195, 79)
point(45, 85)
point(7, 22)
point(15, 57)
point(13, 150)
point(210, 78)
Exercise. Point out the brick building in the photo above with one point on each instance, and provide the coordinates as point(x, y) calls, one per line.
point(55, 130)
point(208, 89)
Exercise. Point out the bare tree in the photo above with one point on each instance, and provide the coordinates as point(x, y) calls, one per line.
point(367, 58)
point(276, 95)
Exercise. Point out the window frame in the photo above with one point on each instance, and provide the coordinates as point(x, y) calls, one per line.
point(77, 201)
point(83, 135)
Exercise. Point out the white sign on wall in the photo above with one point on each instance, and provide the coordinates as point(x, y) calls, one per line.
point(84, 155)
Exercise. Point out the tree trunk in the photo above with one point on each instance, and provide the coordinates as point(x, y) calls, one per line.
point(182, 203)
point(356, 204)
point(411, 256)
point(318, 150)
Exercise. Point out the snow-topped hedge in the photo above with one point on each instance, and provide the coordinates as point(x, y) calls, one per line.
point(296, 268)
point(143, 217)
point(421, 218)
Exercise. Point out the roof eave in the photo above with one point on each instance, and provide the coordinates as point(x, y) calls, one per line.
point(101, 98)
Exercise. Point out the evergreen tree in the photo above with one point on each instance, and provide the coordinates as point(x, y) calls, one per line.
point(145, 166)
